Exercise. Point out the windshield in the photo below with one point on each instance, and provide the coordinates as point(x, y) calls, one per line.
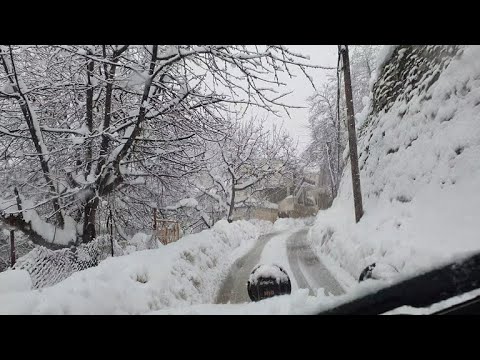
point(239, 179)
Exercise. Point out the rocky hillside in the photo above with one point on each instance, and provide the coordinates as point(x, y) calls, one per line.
point(419, 151)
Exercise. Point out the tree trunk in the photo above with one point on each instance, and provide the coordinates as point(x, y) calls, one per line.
point(89, 117)
point(352, 137)
point(90, 212)
point(232, 204)
point(109, 78)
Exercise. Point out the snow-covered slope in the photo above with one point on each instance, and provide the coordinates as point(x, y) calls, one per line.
point(419, 154)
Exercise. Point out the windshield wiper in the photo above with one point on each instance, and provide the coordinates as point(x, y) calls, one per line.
point(470, 307)
point(421, 291)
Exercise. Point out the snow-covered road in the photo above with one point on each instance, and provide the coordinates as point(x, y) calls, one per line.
point(287, 248)
point(308, 270)
point(234, 288)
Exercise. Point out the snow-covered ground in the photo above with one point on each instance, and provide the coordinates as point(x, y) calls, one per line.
point(181, 277)
point(420, 175)
point(186, 272)
point(297, 303)
point(420, 180)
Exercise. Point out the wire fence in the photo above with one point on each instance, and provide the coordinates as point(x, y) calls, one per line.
point(48, 267)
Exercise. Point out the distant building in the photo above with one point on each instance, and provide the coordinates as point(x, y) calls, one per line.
point(310, 194)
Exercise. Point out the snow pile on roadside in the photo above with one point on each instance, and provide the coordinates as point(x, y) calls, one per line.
point(420, 177)
point(283, 224)
point(186, 272)
point(263, 226)
point(15, 281)
point(297, 303)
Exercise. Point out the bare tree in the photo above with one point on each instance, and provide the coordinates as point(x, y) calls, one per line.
point(327, 134)
point(362, 65)
point(328, 116)
point(84, 125)
point(247, 163)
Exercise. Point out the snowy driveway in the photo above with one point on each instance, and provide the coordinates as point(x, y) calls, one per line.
point(303, 266)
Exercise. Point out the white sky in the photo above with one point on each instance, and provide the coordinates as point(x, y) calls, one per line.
point(325, 55)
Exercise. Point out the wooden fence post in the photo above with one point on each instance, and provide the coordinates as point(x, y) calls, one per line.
point(154, 218)
point(111, 230)
point(12, 248)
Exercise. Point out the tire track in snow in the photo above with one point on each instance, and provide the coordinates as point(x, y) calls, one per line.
point(234, 287)
point(308, 270)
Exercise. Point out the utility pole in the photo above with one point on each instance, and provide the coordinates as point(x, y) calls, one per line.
point(352, 136)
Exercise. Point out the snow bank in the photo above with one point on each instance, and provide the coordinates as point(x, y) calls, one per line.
point(14, 281)
point(297, 303)
point(182, 273)
point(300, 303)
point(263, 226)
point(283, 224)
point(420, 177)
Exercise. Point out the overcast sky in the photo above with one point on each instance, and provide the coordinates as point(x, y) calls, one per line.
point(325, 55)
